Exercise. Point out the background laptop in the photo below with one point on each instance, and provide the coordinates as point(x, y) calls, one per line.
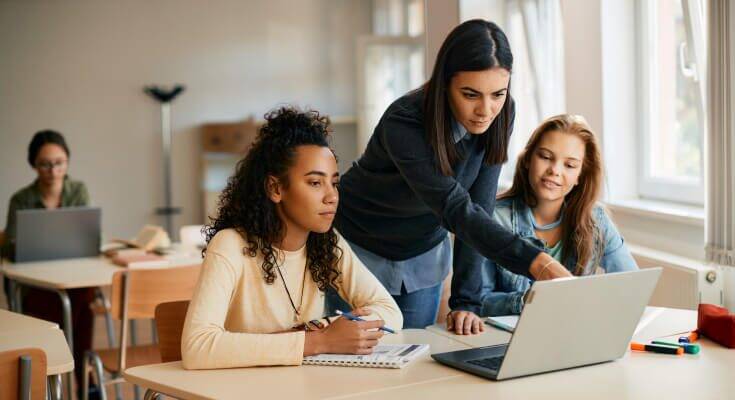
point(565, 323)
point(69, 232)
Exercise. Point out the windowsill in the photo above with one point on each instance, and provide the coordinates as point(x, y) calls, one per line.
point(661, 210)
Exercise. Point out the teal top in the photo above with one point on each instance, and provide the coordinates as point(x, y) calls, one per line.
point(556, 251)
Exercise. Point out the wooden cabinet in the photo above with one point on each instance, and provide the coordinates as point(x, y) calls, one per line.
point(224, 144)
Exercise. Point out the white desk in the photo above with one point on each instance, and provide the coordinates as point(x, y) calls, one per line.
point(492, 336)
point(707, 375)
point(13, 322)
point(656, 322)
point(304, 382)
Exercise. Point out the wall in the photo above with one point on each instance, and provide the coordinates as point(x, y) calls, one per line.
point(79, 67)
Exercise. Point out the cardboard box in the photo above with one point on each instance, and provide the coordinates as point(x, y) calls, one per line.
point(229, 137)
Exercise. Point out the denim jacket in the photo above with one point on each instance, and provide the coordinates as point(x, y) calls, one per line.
point(502, 291)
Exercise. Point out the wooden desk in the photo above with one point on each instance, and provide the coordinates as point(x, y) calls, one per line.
point(52, 341)
point(304, 382)
point(13, 322)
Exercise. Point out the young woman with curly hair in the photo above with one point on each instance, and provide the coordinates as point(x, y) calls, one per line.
point(271, 254)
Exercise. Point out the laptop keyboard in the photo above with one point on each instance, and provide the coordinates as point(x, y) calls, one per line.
point(489, 363)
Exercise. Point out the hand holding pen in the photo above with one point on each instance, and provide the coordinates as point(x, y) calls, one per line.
point(344, 336)
point(353, 317)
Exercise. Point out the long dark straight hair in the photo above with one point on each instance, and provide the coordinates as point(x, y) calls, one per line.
point(474, 45)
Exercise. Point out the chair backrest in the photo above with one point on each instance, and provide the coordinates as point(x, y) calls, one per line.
point(147, 288)
point(137, 292)
point(12, 375)
point(169, 323)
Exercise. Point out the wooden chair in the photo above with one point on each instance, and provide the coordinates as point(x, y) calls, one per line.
point(135, 295)
point(170, 322)
point(23, 374)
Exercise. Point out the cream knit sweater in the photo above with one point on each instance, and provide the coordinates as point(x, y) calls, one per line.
point(234, 317)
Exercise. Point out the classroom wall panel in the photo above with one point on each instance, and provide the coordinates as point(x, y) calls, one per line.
point(79, 67)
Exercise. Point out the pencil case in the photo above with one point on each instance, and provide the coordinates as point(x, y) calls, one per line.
point(717, 324)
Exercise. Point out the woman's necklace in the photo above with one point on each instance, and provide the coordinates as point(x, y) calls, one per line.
point(297, 310)
point(550, 226)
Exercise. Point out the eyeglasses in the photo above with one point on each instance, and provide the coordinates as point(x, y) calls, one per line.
point(50, 166)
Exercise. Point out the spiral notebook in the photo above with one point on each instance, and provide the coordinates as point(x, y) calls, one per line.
point(384, 356)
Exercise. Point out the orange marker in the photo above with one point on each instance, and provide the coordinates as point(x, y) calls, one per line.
point(690, 338)
point(656, 348)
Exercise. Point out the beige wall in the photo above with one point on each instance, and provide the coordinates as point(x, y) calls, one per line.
point(79, 67)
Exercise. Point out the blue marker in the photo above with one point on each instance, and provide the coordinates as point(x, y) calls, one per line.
point(356, 318)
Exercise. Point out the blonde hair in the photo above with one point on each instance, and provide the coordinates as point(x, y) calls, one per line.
point(580, 233)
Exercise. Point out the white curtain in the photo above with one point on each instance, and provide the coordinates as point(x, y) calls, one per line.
point(720, 147)
point(720, 199)
point(545, 45)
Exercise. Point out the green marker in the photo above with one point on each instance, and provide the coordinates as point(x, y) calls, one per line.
point(689, 348)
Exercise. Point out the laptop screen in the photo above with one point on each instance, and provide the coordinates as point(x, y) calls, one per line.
point(71, 232)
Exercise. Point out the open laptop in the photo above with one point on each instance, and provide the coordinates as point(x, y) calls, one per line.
point(565, 323)
point(69, 232)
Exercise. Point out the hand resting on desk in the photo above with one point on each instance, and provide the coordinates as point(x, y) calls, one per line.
point(464, 323)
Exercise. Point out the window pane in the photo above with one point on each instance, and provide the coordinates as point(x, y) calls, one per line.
point(675, 142)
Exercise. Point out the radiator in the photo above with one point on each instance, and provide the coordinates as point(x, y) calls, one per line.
point(684, 282)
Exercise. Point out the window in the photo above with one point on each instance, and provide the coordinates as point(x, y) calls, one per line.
point(390, 62)
point(672, 124)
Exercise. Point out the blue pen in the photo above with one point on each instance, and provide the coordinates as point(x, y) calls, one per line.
point(356, 318)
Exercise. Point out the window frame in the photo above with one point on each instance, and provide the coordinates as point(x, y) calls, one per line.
point(656, 188)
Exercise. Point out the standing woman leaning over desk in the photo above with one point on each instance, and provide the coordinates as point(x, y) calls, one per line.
point(432, 166)
point(48, 155)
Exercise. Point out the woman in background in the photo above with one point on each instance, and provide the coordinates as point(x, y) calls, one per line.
point(48, 155)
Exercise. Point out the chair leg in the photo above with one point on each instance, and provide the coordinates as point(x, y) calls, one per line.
point(136, 392)
point(100, 375)
point(154, 332)
point(53, 387)
point(118, 392)
point(108, 318)
point(151, 395)
point(85, 375)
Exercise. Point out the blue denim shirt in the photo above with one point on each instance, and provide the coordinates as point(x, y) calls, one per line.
point(502, 291)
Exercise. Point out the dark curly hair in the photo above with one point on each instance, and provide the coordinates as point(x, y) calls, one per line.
point(244, 204)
